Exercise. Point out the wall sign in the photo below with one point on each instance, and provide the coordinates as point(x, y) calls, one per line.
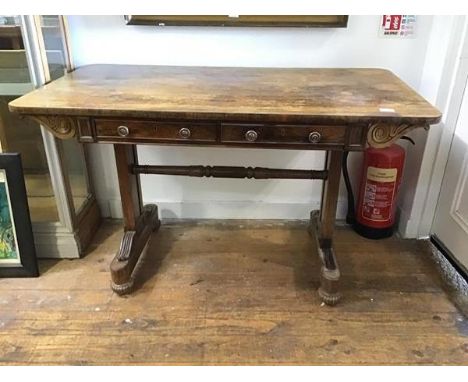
point(398, 26)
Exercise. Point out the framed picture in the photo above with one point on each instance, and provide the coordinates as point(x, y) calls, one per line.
point(17, 251)
point(311, 21)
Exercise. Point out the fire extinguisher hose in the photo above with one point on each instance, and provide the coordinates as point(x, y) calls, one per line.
point(351, 214)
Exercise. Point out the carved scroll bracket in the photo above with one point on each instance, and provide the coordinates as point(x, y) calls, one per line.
point(383, 134)
point(61, 126)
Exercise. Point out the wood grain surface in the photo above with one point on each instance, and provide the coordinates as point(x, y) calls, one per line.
point(231, 94)
point(201, 301)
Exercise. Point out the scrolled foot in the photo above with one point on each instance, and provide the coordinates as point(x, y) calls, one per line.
point(123, 289)
point(330, 272)
point(132, 245)
point(329, 299)
point(329, 286)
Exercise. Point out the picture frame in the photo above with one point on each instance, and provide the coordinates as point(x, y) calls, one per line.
point(17, 250)
point(305, 21)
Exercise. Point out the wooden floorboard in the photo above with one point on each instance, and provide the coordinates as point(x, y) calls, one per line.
point(223, 293)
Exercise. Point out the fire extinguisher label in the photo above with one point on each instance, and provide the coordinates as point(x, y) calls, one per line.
point(378, 194)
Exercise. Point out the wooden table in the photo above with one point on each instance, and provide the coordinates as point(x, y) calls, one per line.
point(334, 110)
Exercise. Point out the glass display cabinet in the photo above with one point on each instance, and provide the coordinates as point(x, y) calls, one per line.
point(33, 51)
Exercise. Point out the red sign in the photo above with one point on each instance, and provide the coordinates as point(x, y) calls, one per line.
point(391, 22)
point(398, 25)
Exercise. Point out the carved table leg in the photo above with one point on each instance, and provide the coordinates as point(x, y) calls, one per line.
point(324, 223)
point(139, 221)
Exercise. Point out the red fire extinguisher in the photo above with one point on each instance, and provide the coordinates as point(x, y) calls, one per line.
point(374, 216)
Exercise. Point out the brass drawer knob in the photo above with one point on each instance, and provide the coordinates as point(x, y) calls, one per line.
point(251, 135)
point(184, 133)
point(314, 137)
point(123, 131)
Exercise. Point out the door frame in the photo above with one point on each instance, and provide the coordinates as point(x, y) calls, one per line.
point(449, 99)
point(459, 91)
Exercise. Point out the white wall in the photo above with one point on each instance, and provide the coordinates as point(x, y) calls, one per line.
point(106, 39)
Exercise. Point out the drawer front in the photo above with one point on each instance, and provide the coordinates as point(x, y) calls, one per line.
point(284, 134)
point(108, 129)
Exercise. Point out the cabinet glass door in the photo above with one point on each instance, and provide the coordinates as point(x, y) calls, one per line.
point(34, 51)
point(58, 64)
point(23, 135)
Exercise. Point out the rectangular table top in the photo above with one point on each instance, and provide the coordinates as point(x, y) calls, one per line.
point(227, 93)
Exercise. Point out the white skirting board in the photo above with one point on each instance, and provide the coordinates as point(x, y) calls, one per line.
point(111, 208)
point(56, 246)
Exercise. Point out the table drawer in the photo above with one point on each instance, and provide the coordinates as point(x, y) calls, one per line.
point(283, 134)
point(109, 129)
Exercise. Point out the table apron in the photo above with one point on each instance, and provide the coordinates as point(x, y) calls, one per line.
point(315, 136)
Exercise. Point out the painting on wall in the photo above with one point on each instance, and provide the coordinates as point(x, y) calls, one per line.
point(305, 21)
point(17, 251)
point(8, 246)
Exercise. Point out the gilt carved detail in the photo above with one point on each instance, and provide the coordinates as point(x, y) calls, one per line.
point(61, 126)
point(383, 134)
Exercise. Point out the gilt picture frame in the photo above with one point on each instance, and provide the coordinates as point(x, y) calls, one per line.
point(305, 21)
point(17, 250)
